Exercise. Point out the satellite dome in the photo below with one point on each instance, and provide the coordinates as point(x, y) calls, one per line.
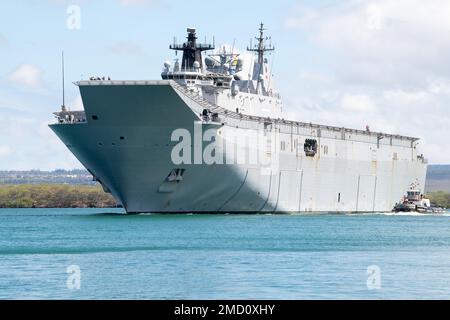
point(167, 64)
point(196, 65)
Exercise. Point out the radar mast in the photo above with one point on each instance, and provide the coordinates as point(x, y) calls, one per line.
point(192, 51)
point(261, 47)
point(63, 106)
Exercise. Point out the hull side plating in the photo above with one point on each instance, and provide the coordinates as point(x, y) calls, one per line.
point(126, 144)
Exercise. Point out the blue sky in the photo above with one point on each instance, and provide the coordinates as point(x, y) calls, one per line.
point(347, 63)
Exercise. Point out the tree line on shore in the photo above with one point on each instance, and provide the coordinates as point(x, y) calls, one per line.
point(69, 196)
point(54, 196)
point(440, 199)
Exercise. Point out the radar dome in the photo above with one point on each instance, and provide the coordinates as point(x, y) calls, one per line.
point(167, 64)
point(196, 65)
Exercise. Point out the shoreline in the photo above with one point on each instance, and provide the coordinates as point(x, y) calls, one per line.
point(54, 196)
point(67, 196)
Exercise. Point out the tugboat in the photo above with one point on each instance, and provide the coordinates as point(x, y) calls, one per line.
point(415, 201)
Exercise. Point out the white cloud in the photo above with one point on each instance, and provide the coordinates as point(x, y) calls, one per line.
point(358, 103)
point(404, 99)
point(375, 17)
point(27, 75)
point(35, 145)
point(386, 66)
point(384, 42)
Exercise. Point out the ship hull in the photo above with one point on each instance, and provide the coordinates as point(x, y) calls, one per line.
point(129, 149)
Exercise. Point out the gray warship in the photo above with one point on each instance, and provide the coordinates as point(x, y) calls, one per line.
point(134, 138)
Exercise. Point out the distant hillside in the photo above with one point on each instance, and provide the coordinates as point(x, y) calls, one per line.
point(438, 178)
point(72, 177)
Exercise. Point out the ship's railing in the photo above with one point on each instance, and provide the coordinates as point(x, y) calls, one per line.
point(93, 83)
point(185, 73)
point(70, 117)
point(228, 117)
point(239, 120)
point(194, 96)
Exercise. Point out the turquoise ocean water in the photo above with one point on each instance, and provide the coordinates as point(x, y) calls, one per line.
point(222, 257)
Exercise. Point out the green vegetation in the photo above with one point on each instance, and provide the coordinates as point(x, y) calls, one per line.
point(69, 196)
point(440, 199)
point(54, 196)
